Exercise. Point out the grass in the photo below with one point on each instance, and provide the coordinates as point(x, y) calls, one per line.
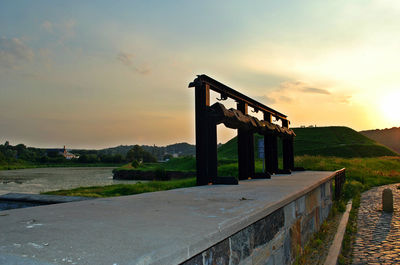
point(345, 256)
point(185, 164)
point(370, 171)
point(125, 189)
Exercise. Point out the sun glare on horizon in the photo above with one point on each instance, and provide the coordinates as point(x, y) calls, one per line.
point(390, 107)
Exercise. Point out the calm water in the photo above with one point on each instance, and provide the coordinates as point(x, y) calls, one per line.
point(36, 180)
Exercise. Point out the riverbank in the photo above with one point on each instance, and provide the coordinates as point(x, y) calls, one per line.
point(37, 180)
point(27, 165)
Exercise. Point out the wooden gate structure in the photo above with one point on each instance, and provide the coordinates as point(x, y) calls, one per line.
point(207, 119)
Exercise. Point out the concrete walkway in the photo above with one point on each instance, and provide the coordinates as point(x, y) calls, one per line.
point(378, 235)
point(166, 227)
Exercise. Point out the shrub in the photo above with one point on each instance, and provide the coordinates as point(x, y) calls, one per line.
point(352, 188)
point(135, 164)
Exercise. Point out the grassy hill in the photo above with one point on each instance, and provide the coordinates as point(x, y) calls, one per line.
point(389, 137)
point(323, 141)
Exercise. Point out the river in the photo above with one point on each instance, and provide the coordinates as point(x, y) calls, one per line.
point(36, 180)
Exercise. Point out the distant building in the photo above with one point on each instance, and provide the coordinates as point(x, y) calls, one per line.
point(68, 155)
point(62, 152)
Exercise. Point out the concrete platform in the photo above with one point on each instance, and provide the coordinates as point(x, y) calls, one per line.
point(165, 227)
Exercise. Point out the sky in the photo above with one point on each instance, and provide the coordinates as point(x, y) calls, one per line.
point(96, 74)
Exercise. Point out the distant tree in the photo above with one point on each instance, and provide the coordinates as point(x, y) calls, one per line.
point(167, 157)
point(118, 158)
point(139, 154)
point(85, 158)
point(44, 159)
point(107, 158)
point(2, 158)
point(53, 154)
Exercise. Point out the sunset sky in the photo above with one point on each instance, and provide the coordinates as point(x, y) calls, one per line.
point(95, 74)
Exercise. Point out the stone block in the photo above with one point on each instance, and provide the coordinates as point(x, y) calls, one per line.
point(328, 189)
point(218, 254)
point(266, 228)
point(261, 255)
point(313, 199)
point(278, 240)
point(325, 210)
point(270, 261)
point(279, 257)
point(295, 237)
point(290, 214)
point(307, 227)
point(242, 244)
point(322, 187)
point(318, 219)
point(387, 200)
point(287, 249)
point(300, 206)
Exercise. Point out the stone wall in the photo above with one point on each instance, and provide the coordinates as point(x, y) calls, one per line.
point(275, 239)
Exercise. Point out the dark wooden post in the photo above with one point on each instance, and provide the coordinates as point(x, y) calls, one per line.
point(287, 149)
point(202, 101)
point(212, 157)
point(245, 148)
point(291, 145)
point(252, 165)
point(270, 149)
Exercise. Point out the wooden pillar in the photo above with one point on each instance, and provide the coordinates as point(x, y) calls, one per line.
point(212, 157)
point(250, 145)
point(287, 149)
point(291, 145)
point(286, 153)
point(245, 148)
point(270, 149)
point(202, 101)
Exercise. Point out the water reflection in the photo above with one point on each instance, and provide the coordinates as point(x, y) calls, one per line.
point(36, 180)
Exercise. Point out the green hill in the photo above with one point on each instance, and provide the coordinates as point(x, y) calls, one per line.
point(324, 141)
point(388, 137)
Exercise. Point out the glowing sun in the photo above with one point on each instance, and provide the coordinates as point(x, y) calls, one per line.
point(390, 107)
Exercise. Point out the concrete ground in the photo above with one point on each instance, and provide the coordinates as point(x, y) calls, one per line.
point(378, 235)
point(165, 227)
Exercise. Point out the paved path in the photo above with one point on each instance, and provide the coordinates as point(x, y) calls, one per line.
point(378, 235)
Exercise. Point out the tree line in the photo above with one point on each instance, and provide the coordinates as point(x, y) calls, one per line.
point(21, 154)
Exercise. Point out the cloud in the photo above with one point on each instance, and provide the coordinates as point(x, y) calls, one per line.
point(266, 99)
point(14, 52)
point(302, 87)
point(345, 99)
point(285, 99)
point(68, 29)
point(63, 31)
point(127, 59)
point(315, 90)
point(291, 85)
point(47, 26)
